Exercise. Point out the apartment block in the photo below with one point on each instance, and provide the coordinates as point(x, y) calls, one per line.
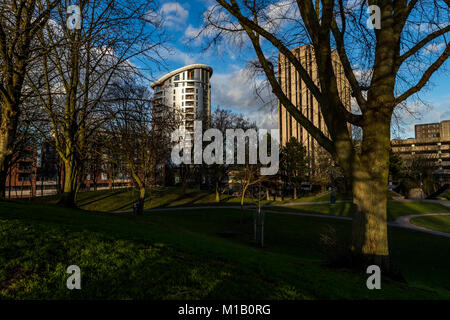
point(21, 178)
point(38, 171)
point(433, 130)
point(186, 91)
point(303, 99)
point(432, 144)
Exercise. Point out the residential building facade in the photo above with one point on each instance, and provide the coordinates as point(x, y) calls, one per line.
point(37, 171)
point(21, 178)
point(303, 99)
point(186, 91)
point(433, 130)
point(431, 144)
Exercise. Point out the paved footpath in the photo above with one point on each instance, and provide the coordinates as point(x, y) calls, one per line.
point(402, 222)
point(443, 202)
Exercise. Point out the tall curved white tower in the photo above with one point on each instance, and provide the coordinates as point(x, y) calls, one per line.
point(188, 90)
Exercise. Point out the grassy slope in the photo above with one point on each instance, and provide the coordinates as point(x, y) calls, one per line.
point(122, 199)
point(438, 223)
point(395, 209)
point(177, 255)
point(447, 195)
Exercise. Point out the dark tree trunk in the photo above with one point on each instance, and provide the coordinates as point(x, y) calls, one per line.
point(3, 177)
point(70, 184)
point(244, 190)
point(370, 180)
point(217, 192)
point(141, 201)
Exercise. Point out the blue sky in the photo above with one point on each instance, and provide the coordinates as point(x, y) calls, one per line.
point(230, 84)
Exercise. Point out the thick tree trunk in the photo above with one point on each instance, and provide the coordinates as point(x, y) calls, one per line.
point(295, 192)
point(70, 184)
point(370, 180)
point(267, 194)
point(141, 201)
point(217, 192)
point(3, 177)
point(8, 126)
point(244, 190)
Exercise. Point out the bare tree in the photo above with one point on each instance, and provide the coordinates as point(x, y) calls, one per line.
point(138, 135)
point(384, 66)
point(80, 64)
point(223, 119)
point(20, 22)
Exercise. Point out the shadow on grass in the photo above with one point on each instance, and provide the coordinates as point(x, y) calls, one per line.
point(341, 210)
point(95, 199)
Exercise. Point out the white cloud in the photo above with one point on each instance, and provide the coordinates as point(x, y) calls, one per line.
point(183, 57)
point(192, 33)
point(232, 90)
point(174, 14)
point(276, 15)
point(433, 47)
point(267, 119)
point(236, 90)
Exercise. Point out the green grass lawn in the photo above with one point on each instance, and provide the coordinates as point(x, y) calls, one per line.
point(438, 223)
point(447, 195)
point(179, 255)
point(157, 197)
point(395, 209)
point(122, 199)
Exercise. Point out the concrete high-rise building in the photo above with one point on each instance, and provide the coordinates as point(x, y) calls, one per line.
point(431, 144)
point(433, 130)
point(296, 90)
point(188, 91)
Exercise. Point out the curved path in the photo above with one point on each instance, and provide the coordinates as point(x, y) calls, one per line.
point(405, 222)
point(402, 222)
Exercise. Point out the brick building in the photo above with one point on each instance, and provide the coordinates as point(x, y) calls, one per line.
point(38, 172)
point(431, 144)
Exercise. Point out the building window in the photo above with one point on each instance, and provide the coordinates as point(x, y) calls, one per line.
point(24, 177)
point(174, 92)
